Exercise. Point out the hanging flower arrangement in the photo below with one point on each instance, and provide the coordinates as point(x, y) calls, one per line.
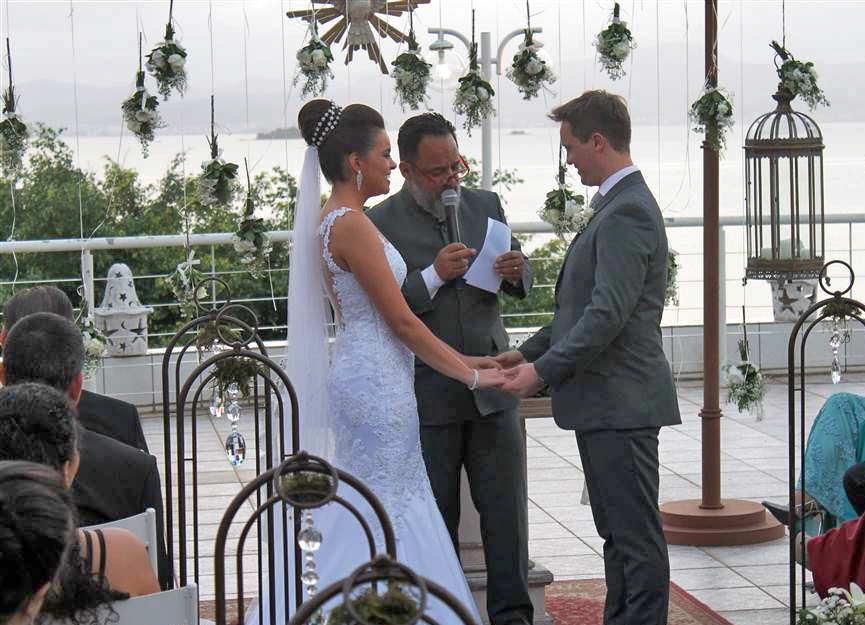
point(313, 65)
point(251, 240)
point(746, 385)
point(614, 45)
point(216, 184)
point(529, 72)
point(167, 62)
point(184, 283)
point(839, 607)
point(412, 75)
point(671, 293)
point(712, 114)
point(474, 97)
point(141, 114)
point(95, 343)
point(799, 78)
point(14, 134)
point(565, 210)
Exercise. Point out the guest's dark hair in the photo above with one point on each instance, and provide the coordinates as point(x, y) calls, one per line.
point(41, 298)
point(416, 128)
point(37, 522)
point(43, 347)
point(355, 131)
point(597, 111)
point(37, 424)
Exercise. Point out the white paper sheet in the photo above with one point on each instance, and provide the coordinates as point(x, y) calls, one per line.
point(496, 243)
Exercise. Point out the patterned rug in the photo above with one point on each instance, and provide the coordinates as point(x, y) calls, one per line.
point(581, 602)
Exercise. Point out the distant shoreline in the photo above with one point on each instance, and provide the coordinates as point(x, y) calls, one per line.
point(279, 133)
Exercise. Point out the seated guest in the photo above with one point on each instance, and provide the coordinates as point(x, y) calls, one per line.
point(115, 480)
point(36, 528)
point(98, 413)
point(37, 424)
point(835, 443)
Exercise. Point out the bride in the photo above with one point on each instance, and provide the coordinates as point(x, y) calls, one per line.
point(360, 412)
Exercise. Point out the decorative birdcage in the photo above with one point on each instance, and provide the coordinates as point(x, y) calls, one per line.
point(784, 194)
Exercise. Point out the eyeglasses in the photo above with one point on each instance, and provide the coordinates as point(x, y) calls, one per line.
point(440, 175)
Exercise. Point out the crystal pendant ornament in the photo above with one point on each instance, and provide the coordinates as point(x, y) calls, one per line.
point(233, 412)
point(309, 541)
point(235, 448)
point(217, 407)
point(233, 391)
point(835, 341)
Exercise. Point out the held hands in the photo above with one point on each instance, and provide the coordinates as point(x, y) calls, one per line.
point(487, 378)
point(481, 362)
point(523, 380)
point(510, 265)
point(452, 260)
point(510, 359)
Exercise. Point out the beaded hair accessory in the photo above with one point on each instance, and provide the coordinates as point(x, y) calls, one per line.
point(326, 124)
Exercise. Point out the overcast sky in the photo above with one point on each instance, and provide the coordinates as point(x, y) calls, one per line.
point(94, 43)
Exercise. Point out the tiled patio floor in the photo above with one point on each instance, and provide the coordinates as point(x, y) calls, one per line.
point(747, 585)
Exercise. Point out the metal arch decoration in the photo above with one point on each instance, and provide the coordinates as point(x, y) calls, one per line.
point(381, 568)
point(356, 19)
point(241, 341)
point(834, 306)
point(278, 490)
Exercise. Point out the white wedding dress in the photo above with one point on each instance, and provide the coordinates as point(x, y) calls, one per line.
point(377, 439)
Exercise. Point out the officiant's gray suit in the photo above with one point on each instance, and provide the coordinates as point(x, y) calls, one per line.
point(611, 383)
point(478, 429)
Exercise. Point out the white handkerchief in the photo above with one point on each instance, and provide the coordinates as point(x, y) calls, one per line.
point(496, 243)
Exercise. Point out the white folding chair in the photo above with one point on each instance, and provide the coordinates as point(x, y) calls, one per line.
point(170, 607)
point(143, 525)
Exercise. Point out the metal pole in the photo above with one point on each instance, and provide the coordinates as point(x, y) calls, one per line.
point(722, 298)
point(87, 279)
point(486, 125)
point(711, 411)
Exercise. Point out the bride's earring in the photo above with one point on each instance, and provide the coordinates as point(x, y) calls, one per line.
point(359, 179)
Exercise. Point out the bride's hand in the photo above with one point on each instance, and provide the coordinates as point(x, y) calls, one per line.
point(482, 362)
point(490, 378)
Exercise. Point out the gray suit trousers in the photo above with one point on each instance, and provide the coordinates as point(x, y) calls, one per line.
point(498, 489)
point(621, 468)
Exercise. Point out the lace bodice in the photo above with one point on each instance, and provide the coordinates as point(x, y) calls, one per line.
point(372, 388)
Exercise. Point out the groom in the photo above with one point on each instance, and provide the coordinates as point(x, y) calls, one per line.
point(603, 359)
point(478, 430)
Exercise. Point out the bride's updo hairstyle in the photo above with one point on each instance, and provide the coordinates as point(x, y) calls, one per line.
point(337, 133)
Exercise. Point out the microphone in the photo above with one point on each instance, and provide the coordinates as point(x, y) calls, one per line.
point(451, 199)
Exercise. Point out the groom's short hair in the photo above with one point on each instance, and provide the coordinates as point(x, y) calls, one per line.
point(416, 128)
point(597, 111)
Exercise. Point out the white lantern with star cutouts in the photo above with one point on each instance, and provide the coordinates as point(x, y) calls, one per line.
point(121, 317)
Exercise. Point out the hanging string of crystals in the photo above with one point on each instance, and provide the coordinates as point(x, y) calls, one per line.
point(840, 336)
point(309, 541)
point(235, 443)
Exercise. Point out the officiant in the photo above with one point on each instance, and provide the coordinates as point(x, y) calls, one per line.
point(438, 227)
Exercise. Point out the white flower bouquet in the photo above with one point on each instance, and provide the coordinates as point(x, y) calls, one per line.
point(474, 97)
point(671, 293)
point(712, 114)
point(216, 184)
point(313, 66)
point(528, 71)
point(746, 385)
point(799, 78)
point(614, 45)
point(185, 282)
point(14, 134)
point(412, 75)
point(167, 64)
point(252, 242)
point(141, 114)
point(840, 607)
point(94, 349)
point(565, 210)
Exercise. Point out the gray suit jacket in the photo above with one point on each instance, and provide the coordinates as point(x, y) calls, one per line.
point(602, 355)
point(466, 318)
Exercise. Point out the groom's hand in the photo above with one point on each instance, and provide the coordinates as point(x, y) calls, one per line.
point(523, 381)
point(452, 261)
point(510, 359)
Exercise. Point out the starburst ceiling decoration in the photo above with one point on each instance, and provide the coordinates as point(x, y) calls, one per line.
point(359, 18)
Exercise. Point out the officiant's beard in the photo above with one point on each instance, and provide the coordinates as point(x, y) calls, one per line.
point(432, 203)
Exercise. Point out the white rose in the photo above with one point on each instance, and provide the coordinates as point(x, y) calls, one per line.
point(134, 126)
point(483, 94)
point(144, 116)
point(621, 50)
point(303, 57)
point(552, 215)
point(734, 376)
point(176, 62)
point(723, 109)
point(534, 67)
point(571, 208)
point(158, 59)
point(318, 58)
point(243, 246)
